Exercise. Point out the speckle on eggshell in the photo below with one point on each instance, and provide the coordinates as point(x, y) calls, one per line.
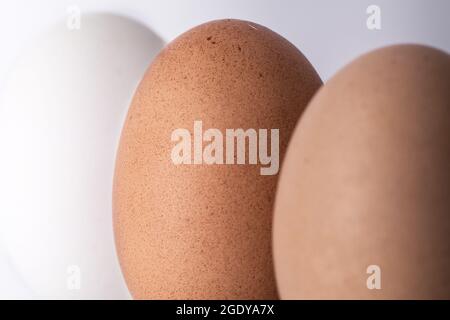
point(204, 231)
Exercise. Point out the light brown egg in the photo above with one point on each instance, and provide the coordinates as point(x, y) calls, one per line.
point(203, 231)
point(363, 205)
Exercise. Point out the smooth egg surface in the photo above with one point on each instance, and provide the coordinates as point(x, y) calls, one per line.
point(363, 208)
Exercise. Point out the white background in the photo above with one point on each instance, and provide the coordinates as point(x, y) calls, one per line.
point(330, 33)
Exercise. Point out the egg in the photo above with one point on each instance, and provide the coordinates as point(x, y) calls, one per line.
point(61, 114)
point(193, 205)
point(363, 210)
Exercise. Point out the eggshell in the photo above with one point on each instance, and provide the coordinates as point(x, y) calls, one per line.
point(60, 121)
point(204, 231)
point(363, 206)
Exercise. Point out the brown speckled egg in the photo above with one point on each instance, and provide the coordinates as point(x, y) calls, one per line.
point(363, 205)
point(203, 230)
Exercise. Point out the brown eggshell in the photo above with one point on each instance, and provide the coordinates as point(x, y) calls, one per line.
point(366, 182)
point(204, 231)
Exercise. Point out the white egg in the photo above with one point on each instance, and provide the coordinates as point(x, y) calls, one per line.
point(60, 119)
